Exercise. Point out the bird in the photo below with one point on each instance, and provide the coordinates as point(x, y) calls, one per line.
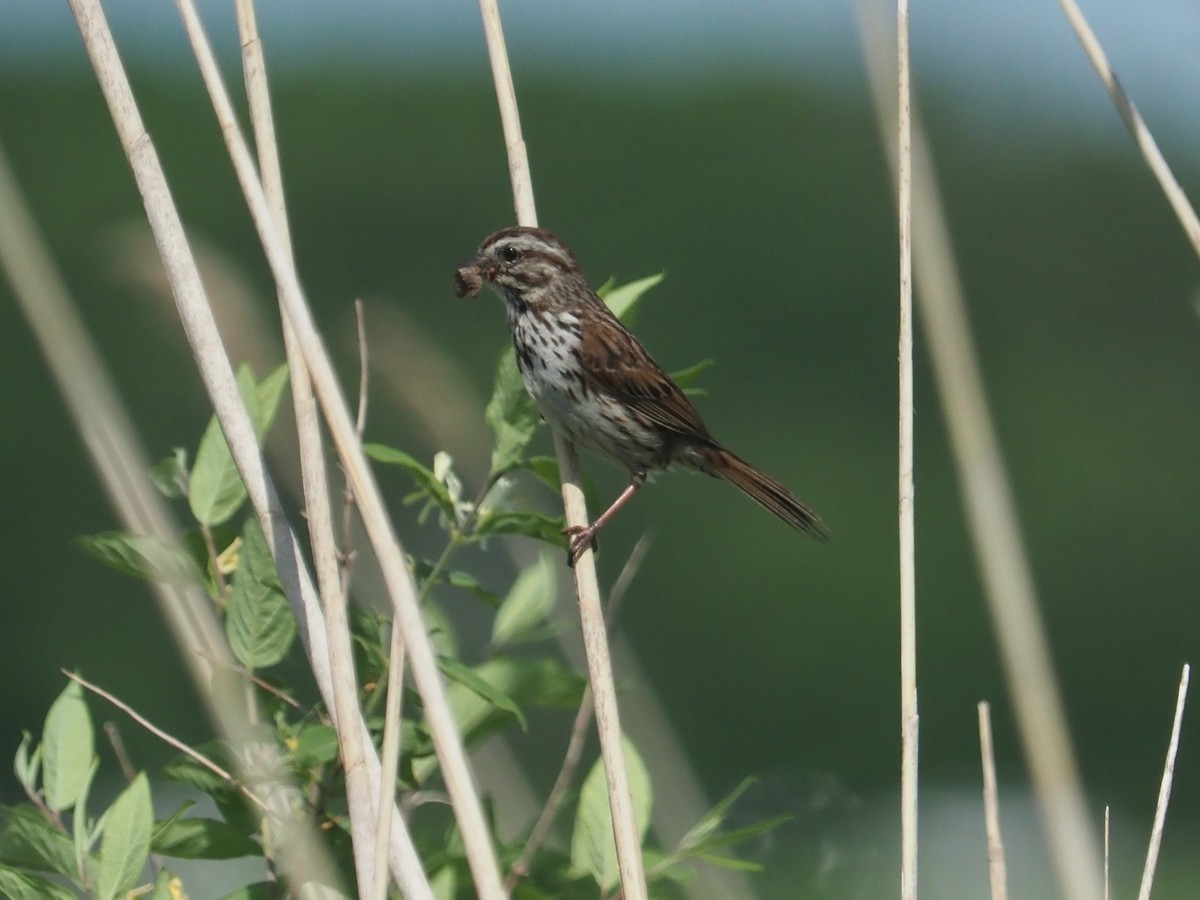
point(592, 379)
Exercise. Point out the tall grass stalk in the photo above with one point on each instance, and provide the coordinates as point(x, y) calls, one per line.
point(909, 717)
point(1135, 123)
point(361, 802)
point(991, 511)
point(591, 613)
point(1164, 790)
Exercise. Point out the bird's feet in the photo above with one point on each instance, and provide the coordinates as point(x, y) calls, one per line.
point(582, 536)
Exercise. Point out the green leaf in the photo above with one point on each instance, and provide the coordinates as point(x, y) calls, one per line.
point(162, 886)
point(126, 844)
point(67, 748)
point(444, 883)
point(142, 556)
point(470, 679)
point(22, 886)
point(201, 838)
point(542, 683)
point(315, 746)
point(259, 622)
point(423, 568)
point(545, 470)
point(261, 890)
point(26, 765)
point(623, 300)
point(730, 862)
point(83, 830)
point(511, 415)
point(685, 378)
point(528, 603)
point(440, 628)
point(593, 849)
point(724, 839)
point(29, 841)
point(528, 524)
point(711, 822)
point(170, 475)
point(428, 484)
point(185, 770)
point(215, 490)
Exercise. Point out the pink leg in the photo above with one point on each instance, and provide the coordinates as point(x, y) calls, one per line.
point(582, 537)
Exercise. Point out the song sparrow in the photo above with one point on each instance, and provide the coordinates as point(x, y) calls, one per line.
point(594, 380)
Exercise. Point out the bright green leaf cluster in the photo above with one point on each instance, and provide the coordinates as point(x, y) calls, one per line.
point(106, 856)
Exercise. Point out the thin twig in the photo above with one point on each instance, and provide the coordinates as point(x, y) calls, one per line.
point(595, 640)
point(909, 721)
point(168, 739)
point(1134, 122)
point(990, 508)
point(997, 873)
point(579, 732)
point(1164, 790)
point(346, 557)
point(113, 733)
point(314, 474)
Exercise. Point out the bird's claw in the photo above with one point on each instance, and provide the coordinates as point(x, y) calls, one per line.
point(582, 536)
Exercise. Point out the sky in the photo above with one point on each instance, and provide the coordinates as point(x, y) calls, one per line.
point(1021, 49)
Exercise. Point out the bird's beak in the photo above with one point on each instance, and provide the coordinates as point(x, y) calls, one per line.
point(470, 276)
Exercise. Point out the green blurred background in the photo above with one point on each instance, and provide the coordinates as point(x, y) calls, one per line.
point(759, 186)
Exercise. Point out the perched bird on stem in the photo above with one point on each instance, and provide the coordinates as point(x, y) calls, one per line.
point(594, 381)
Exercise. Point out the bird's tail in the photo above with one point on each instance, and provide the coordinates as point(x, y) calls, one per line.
point(767, 492)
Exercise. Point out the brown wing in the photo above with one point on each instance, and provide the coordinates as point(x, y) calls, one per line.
point(617, 360)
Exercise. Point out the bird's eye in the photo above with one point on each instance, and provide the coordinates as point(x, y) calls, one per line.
point(509, 253)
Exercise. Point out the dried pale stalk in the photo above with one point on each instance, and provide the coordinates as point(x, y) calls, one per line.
point(216, 372)
point(1164, 790)
point(402, 592)
point(991, 512)
point(591, 613)
point(360, 800)
point(909, 721)
point(1134, 122)
point(997, 873)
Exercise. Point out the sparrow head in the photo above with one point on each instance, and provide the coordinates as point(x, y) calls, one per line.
point(516, 263)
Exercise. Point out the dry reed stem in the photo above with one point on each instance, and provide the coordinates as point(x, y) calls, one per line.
point(390, 761)
point(595, 639)
point(991, 512)
point(1134, 122)
point(591, 613)
point(346, 554)
point(909, 716)
point(122, 467)
point(1107, 847)
point(360, 801)
point(215, 370)
point(997, 870)
point(1164, 789)
point(456, 771)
